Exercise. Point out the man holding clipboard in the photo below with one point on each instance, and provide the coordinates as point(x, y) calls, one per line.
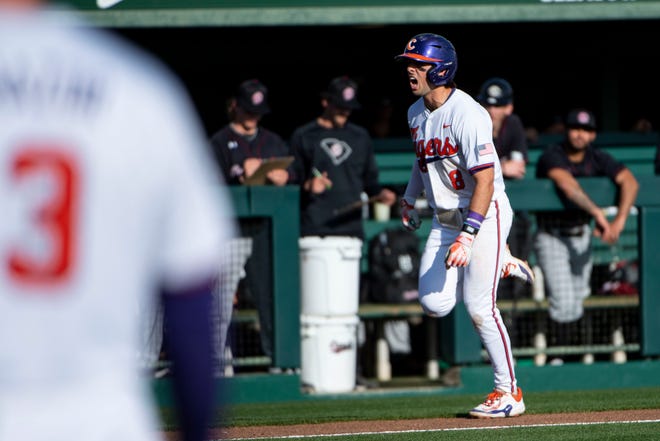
point(243, 146)
point(249, 154)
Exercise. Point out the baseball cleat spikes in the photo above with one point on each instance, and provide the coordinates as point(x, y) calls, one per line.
point(500, 404)
point(514, 267)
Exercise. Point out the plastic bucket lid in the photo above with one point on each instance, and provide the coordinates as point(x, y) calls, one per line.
point(306, 319)
point(329, 242)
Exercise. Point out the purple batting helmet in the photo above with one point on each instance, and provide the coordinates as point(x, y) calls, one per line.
point(436, 50)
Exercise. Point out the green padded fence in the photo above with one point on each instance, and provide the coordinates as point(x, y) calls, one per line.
point(281, 204)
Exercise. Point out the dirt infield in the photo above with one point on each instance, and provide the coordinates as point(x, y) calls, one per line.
point(238, 433)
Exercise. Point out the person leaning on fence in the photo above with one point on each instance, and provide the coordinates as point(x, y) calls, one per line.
point(563, 240)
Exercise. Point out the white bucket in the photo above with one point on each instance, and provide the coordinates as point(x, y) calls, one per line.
point(330, 275)
point(328, 353)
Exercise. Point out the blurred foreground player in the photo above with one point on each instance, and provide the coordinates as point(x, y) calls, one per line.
point(107, 200)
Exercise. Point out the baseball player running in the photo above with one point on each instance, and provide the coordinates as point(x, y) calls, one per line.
point(107, 198)
point(458, 170)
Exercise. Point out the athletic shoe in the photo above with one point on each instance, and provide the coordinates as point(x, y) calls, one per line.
point(500, 404)
point(514, 267)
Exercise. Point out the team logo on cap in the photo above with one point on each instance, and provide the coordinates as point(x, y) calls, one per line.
point(494, 92)
point(348, 93)
point(583, 118)
point(411, 44)
point(257, 98)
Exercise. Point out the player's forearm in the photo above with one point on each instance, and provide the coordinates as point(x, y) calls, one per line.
point(414, 187)
point(580, 198)
point(483, 192)
point(629, 190)
point(571, 188)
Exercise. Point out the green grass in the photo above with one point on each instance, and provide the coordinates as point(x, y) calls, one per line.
point(432, 406)
point(592, 432)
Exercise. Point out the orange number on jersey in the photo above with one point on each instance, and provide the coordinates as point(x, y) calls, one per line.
point(457, 179)
point(53, 176)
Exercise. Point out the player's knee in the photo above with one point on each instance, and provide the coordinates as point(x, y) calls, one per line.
point(436, 305)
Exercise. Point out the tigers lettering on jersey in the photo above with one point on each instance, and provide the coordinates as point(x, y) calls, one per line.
point(435, 149)
point(432, 150)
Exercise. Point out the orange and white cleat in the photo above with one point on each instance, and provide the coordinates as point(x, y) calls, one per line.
point(500, 404)
point(514, 267)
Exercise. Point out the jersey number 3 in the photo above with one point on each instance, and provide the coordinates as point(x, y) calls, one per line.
point(47, 183)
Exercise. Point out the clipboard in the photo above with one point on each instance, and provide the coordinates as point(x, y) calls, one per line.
point(267, 164)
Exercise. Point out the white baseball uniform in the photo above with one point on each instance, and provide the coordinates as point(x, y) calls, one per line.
point(452, 144)
point(107, 193)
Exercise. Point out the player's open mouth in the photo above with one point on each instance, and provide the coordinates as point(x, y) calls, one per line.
point(413, 82)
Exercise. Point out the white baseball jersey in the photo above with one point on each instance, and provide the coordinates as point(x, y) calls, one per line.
point(451, 144)
point(106, 194)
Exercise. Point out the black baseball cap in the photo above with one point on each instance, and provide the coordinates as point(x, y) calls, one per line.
point(342, 92)
point(495, 92)
point(581, 119)
point(252, 96)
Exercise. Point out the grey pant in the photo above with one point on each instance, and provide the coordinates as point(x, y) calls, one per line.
point(223, 296)
point(566, 262)
point(239, 251)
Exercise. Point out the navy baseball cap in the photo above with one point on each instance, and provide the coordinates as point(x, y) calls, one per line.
point(495, 92)
point(342, 92)
point(581, 119)
point(252, 96)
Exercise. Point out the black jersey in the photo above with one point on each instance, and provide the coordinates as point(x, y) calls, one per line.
point(231, 150)
point(596, 162)
point(511, 137)
point(347, 155)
